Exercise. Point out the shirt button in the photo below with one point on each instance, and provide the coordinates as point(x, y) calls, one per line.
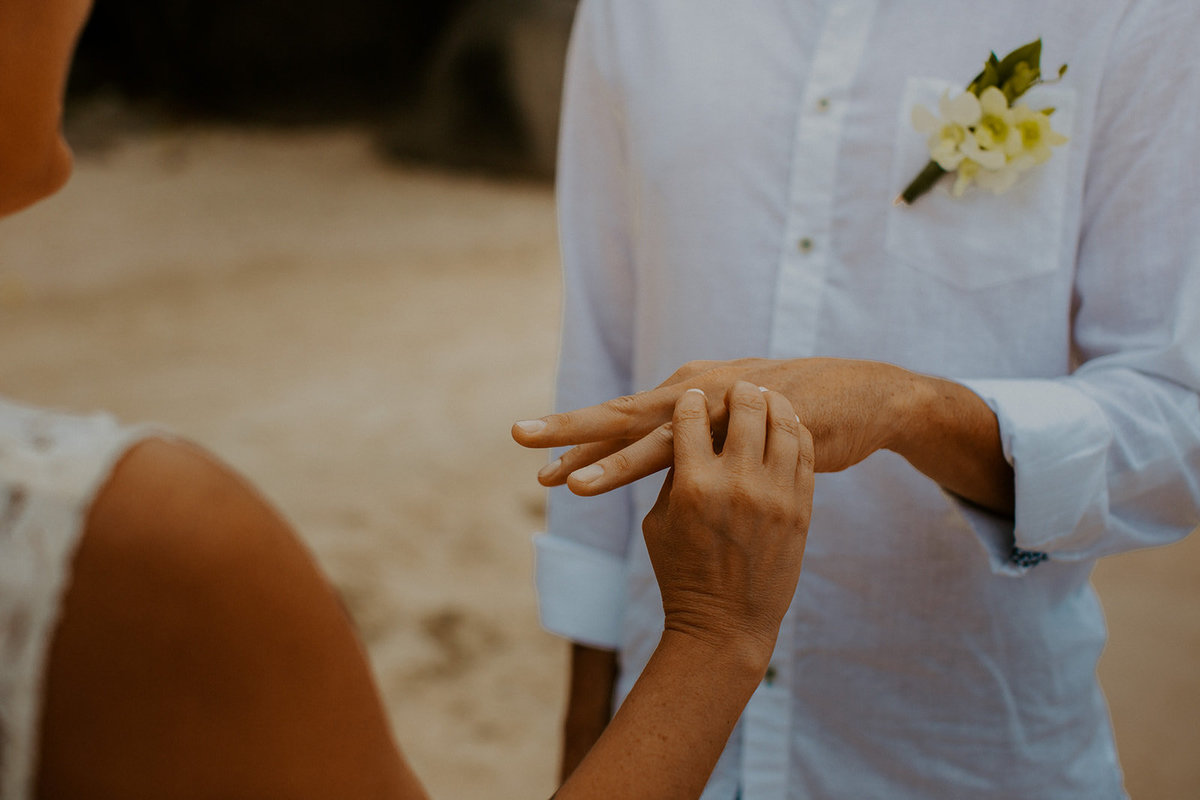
point(823, 104)
point(771, 675)
point(805, 245)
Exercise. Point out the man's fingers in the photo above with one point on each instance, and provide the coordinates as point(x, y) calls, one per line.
point(643, 457)
point(689, 371)
point(747, 434)
point(555, 473)
point(625, 417)
point(783, 446)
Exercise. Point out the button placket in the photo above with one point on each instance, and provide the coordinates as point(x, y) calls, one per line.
point(803, 265)
point(767, 722)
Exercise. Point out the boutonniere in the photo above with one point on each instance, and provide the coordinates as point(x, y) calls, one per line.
point(983, 135)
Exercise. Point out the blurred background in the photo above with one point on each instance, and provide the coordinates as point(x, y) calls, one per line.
point(465, 83)
point(319, 238)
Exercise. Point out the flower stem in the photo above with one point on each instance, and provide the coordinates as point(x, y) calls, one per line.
point(922, 183)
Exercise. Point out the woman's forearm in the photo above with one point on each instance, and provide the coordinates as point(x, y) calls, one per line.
point(668, 734)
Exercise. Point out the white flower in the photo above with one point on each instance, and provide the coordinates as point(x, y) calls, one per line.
point(983, 140)
point(999, 180)
point(994, 130)
point(948, 132)
point(1034, 135)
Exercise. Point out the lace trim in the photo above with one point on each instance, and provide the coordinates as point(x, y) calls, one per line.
point(51, 467)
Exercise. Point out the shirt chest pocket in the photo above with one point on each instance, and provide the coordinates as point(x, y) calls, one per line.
point(980, 239)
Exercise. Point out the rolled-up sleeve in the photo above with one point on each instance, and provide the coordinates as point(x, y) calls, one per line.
point(1108, 458)
point(580, 560)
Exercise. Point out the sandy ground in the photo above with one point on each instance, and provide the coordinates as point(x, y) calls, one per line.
point(358, 339)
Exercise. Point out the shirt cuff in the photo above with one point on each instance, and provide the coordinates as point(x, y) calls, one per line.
point(995, 533)
point(581, 591)
point(1056, 438)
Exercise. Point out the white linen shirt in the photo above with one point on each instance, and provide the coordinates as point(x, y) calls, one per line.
point(727, 172)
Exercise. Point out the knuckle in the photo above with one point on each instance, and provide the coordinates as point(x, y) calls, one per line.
point(741, 496)
point(689, 413)
point(559, 419)
point(808, 459)
point(742, 400)
point(564, 421)
point(575, 455)
point(618, 462)
point(808, 450)
point(689, 489)
point(786, 425)
point(744, 387)
point(624, 406)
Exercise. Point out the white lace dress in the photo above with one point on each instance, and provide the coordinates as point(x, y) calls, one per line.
point(51, 467)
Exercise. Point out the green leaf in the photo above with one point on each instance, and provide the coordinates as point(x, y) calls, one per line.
point(989, 77)
point(1023, 76)
point(1030, 53)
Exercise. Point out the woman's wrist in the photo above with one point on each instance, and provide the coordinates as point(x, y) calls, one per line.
point(734, 654)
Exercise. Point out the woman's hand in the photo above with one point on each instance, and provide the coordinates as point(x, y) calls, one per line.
point(727, 535)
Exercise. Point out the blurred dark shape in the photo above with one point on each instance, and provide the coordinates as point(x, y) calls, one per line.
point(262, 59)
point(467, 83)
point(491, 93)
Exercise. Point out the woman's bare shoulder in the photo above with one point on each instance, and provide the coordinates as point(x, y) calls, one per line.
point(202, 651)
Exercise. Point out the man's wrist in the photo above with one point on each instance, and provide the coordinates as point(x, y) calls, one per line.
point(909, 411)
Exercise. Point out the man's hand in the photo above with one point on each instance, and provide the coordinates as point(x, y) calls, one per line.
point(852, 408)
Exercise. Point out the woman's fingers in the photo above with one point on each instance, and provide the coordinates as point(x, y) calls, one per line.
point(783, 445)
point(747, 435)
point(692, 431)
point(806, 463)
point(656, 519)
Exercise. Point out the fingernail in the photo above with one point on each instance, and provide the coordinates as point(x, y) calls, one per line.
point(588, 474)
point(531, 425)
point(550, 468)
point(697, 391)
